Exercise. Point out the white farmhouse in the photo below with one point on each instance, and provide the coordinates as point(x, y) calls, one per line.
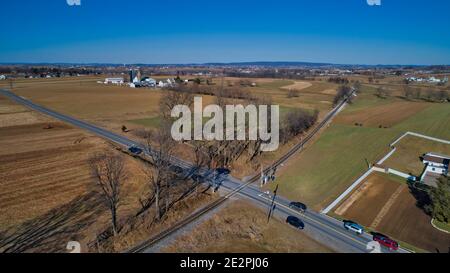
point(149, 82)
point(436, 165)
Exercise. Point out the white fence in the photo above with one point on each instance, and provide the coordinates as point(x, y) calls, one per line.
point(391, 171)
point(421, 136)
point(346, 192)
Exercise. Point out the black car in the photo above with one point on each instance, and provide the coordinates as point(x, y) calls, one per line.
point(176, 169)
point(295, 222)
point(197, 178)
point(135, 150)
point(223, 171)
point(298, 206)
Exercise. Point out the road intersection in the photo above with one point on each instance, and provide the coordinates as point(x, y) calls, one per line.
point(322, 228)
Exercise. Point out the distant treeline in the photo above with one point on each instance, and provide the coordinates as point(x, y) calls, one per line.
point(43, 70)
point(419, 94)
point(297, 74)
point(225, 92)
point(339, 80)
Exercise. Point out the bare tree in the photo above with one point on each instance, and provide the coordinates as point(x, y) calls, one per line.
point(408, 92)
point(343, 92)
point(201, 157)
point(109, 173)
point(171, 99)
point(418, 93)
point(159, 146)
point(382, 92)
point(293, 93)
point(442, 96)
point(357, 85)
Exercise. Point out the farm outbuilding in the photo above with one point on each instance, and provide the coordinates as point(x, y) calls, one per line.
point(436, 165)
point(117, 81)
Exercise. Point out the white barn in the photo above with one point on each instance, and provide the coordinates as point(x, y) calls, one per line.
point(117, 81)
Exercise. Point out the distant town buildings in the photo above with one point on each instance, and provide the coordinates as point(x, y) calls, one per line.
point(427, 80)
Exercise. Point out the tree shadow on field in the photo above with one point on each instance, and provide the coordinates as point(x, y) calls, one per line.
point(421, 195)
point(52, 231)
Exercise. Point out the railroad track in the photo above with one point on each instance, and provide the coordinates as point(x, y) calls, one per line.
point(196, 215)
point(324, 226)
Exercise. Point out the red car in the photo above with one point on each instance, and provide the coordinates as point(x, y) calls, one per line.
point(385, 241)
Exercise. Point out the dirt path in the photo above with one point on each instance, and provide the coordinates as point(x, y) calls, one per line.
point(349, 202)
point(387, 207)
point(297, 86)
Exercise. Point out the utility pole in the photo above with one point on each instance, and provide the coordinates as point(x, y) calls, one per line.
point(262, 176)
point(272, 205)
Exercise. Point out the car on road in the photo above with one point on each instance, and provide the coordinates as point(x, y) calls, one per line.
point(295, 222)
point(223, 171)
point(300, 207)
point(135, 150)
point(352, 226)
point(176, 169)
point(385, 241)
point(197, 178)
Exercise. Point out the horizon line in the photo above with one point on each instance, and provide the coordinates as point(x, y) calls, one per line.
point(261, 63)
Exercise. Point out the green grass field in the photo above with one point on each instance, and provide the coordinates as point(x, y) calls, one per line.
point(326, 168)
point(441, 225)
point(152, 122)
point(408, 153)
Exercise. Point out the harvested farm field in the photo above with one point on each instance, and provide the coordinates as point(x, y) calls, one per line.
point(389, 206)
point(45, 168)
point(47, 194)
point(369, 199)
point(384, 115)
point(408, 222)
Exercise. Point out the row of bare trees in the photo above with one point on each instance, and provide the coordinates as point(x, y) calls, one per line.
point(109, 173)
point(296, 122)
point(233, 92)
point(429, 95)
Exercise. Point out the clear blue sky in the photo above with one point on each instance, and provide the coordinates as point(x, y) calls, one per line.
point(198, 31)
